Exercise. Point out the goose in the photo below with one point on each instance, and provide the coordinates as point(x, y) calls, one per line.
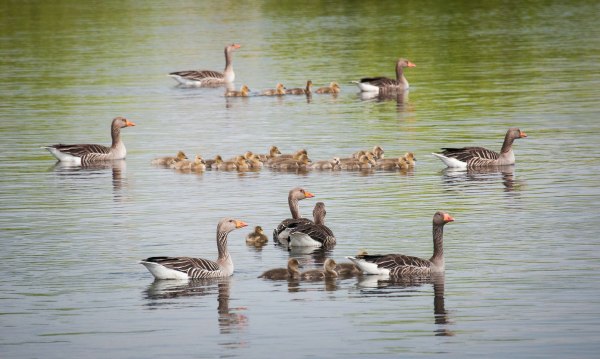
point(85, 154)
point(197, 268)
point(214, 163)
point(400, 265)
point(299, 90)
point(199, 165)
point(403, 164)
point(257, 237)
point(470, 157)
point(362, 163)
point(332, 88)
point(410, 159)
point(208, 77)
point(281, 234)
point(163, 161)
point(328, 271)
point(230, 165)
point(279, 91)
point(326, 164)
point(384, 84)
point(290, 272)
point(243, 92)
point(302, 162)
point(313, 234)
point(273, 152)
point(286, 156)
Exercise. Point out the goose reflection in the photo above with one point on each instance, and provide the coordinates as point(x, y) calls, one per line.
point(118, 168)
point(401, 98)
point(230, 320)
point(374, 284)
point(506, 174)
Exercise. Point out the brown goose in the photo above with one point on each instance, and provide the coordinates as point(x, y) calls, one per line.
point(400, 265)
point(388, 164)
point(243, 92)
point(197, 268)
point(313, 234)
point(273, 152)
point(299, 90)
point(255, 163)
point(198, 165)
point(349, 269)
point(281, 234)
point(470, 157)
point(332, 88)
point(328, 271)
point(290, 272)
point(85, 154)
point(257, 237)
point(384, 84)
point(326, 164)
point(164, 161)
point(208, 77)
point(279, 91)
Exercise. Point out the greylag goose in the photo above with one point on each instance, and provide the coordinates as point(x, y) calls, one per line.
point(299, 90)
point(85, 154)
point(208, 77)
point(243, 92)
point(388, 164)
point(165, 161)
point(241, 164)
point(281, 234)
point(326, 164)
point(255, 163)
point(198, 165)
point(470, 157)
point(328, 271)
point(302, 162)
point(257, 236)
point(332, 88)
point(410, 159)
point(291, 272)
point(197, 268)
point(377, 153)
point(349, 269)
point(363, 163)
point(286, 156)
point(279, 91)
point(399, 265)
point(313, 234)
point(273, 152)
point(213, 163)
point(384, 84)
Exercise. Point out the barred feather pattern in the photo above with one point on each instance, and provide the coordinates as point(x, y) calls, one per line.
point(203, 75)
point(319, 232)
point(197, 268)
point(380, 81)
point(290, 223)
point(473, 156)
point(400, 265)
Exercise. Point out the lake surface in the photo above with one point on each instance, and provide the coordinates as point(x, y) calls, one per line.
point(522, 258)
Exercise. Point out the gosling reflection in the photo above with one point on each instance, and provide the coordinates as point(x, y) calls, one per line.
point(229, 319)
point(506, 174)
point(374, 284)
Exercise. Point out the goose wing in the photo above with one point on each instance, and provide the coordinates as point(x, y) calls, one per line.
point(399, 264)
point(379, 81)
point(194, 267)
point(468, 153)
point(79, 150)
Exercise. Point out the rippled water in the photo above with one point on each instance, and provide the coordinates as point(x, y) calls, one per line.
point(522, 256)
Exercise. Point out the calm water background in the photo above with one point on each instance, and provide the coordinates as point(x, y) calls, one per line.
point(522, 257)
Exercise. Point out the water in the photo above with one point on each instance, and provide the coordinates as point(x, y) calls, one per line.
point(522, 256)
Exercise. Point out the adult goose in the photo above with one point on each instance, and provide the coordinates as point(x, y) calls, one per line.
point(400, 265)
point(471, 157)
point(328, 271)
point(85, 154)
point(385, 84)
point(291, 272)
point(281, 234)
point(209, 77)
point(197, 268)
point(313, 234)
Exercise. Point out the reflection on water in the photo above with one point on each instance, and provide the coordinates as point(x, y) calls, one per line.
point(230, 320)
point(118, 168)
point(380, 285)
point(468, 177)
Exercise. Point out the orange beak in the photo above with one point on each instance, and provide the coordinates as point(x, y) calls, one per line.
point(308, 194)
point(522, 134)
point(240, 224)
point(129, 123)
point(448, 218)
point(236, 46)
point(410, 64)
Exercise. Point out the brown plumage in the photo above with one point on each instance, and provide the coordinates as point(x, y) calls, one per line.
point(328, 271)
point(299, 90)
point(384, 84)
point(332, 88)
point(257, 236)
point(165, 161)
point(208, 77)
point(243, 92)
point(291, 272)
point(279, 91)
point(281, 234)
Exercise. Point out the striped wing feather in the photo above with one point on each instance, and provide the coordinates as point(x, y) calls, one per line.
point(399, 264)
point(200, 75)
point(470, 154)
point(194, 267)
point(379, 81)
point(318, 232)
point(290, 223)
point(81, 150)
